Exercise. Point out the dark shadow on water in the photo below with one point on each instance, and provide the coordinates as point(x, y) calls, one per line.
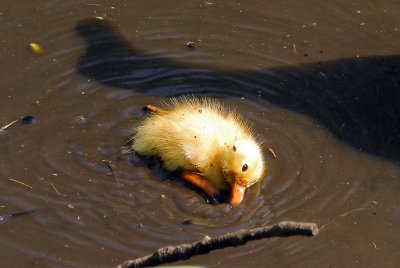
point(358, 100)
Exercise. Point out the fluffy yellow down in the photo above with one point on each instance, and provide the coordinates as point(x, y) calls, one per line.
point(198, 135)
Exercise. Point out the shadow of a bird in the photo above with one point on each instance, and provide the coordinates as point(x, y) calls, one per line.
point(358, 100)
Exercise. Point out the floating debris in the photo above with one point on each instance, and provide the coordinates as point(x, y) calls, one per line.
point(20, 182)
point(7, 126)
point(187, 222)
point(94, 5)
point(110, 166)
point(185, 251)
point(7, 217)
point(190, 44)
point(80, 119)
point(28, 120)
point(36, 48)
point(272, 152)
point(55, 189)
point(294, 48)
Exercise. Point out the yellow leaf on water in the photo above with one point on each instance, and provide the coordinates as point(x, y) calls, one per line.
point(36, 48)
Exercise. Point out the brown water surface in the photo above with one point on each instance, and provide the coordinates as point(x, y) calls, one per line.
point(318, 80)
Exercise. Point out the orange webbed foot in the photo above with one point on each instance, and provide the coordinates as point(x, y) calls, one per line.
point(200, 182)
point(154, 109)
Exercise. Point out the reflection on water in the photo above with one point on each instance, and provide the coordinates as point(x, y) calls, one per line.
point(333, 126)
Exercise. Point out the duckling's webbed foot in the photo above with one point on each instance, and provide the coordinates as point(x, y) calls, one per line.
point(154, 109)
point(200, 182)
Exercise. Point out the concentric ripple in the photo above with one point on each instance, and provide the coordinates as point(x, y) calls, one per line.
point(75, 201)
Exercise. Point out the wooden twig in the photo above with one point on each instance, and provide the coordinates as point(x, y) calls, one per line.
point(55, 189)
point(185, 251)
point(7, 126)
point(22, 183)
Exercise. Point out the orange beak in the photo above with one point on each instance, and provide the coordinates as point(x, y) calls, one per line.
point(237, 194)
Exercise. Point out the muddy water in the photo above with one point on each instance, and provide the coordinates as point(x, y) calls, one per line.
point(319, 81)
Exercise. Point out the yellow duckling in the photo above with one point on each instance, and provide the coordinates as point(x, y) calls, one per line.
point(211, 148)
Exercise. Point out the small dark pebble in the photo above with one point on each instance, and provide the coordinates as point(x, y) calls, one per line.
point(28, 120)
point(187, 222)
point(305, 54)
point(190, 44)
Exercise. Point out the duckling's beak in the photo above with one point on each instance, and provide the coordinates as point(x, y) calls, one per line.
point(237, 194)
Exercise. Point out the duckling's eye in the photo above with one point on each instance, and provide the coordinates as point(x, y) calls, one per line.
point(245, 167)
point(234, 148)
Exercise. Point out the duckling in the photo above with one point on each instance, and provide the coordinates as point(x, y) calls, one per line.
point(210, 147)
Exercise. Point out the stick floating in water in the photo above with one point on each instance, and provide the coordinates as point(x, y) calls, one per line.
point(21, 183)
point(185, 251)
point(7, 126)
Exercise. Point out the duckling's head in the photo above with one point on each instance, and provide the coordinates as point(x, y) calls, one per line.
point(242, 165)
